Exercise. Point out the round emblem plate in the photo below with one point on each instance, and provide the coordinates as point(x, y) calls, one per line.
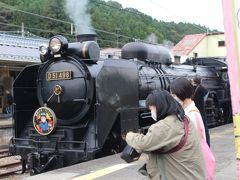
point(44, 120)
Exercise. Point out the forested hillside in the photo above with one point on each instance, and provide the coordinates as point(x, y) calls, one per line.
point(113, 25)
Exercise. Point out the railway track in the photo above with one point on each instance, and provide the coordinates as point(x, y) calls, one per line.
point(4, 153)
point(9, 165)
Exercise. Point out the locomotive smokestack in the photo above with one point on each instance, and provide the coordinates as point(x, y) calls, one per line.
point(86, 37)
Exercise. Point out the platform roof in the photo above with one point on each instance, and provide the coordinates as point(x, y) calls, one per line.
point(20, 50)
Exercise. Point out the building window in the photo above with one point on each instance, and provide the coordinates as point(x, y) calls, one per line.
point(221, 43)
point(177, 59)
point(195, 55)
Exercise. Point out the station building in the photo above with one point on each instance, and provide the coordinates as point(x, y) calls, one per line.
point(114, 53)
point(15, 53)
point(199, 46)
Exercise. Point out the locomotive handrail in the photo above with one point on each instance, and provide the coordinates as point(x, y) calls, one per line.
point(145, 115)
point(35, 143)
point(80, 100)
point(172, 75)
point(164, 77)
point(160, 78)
point(44, 141)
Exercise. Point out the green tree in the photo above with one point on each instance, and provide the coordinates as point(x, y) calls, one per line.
point(114, 25)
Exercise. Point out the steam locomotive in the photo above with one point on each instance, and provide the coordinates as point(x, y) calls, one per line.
point(74, 107)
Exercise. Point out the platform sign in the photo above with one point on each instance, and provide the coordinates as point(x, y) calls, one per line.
point(231, 14)
point(44, 120)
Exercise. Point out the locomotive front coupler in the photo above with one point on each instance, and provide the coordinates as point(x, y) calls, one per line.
point(42, 161)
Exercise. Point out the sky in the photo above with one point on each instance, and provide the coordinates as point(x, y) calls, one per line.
point(203, 12)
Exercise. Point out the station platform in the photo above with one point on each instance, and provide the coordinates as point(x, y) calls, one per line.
point(114, 168)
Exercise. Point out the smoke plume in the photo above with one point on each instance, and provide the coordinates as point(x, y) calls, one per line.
point(77, 11)
point(152, 38)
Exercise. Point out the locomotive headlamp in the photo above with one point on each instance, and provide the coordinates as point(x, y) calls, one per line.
point(58, 44)
point(55, 45)
point(43, 49)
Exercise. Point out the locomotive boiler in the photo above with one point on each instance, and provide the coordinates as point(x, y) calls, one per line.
point(74, 106)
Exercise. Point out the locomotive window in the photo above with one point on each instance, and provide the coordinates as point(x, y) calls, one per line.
point(195, 55)
point(221, 43)
point(177, 59)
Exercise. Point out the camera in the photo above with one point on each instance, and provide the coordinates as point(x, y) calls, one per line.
point(129, 154)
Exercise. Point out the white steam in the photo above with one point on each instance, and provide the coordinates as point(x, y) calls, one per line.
point(152, 38)
point(77, 11)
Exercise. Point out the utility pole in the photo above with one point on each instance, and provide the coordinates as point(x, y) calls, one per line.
point(71, 29)
point(117, 32)
point(22, 30)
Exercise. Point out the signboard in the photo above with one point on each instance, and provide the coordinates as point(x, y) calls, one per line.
point(58, 75)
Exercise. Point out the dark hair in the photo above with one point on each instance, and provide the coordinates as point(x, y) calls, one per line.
point(197, 79)
point(166, 105)
point(182, 88)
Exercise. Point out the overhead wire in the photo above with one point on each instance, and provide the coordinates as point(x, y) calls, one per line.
point(41, 30)
point(172, 13)
point(114, 7)
point(4, 5)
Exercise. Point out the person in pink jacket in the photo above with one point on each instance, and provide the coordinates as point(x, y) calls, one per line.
point(182, 90)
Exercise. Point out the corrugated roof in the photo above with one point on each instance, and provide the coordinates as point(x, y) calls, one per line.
point(21, 41)
point(20, 49)
point(15, 53)
point(185, 46)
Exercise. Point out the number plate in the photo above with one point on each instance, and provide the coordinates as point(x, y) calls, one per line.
point(59, 75)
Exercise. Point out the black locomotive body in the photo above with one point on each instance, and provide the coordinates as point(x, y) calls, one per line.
point(97, 102)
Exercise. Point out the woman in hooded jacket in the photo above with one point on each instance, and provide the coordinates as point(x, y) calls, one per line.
point(164, 136)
